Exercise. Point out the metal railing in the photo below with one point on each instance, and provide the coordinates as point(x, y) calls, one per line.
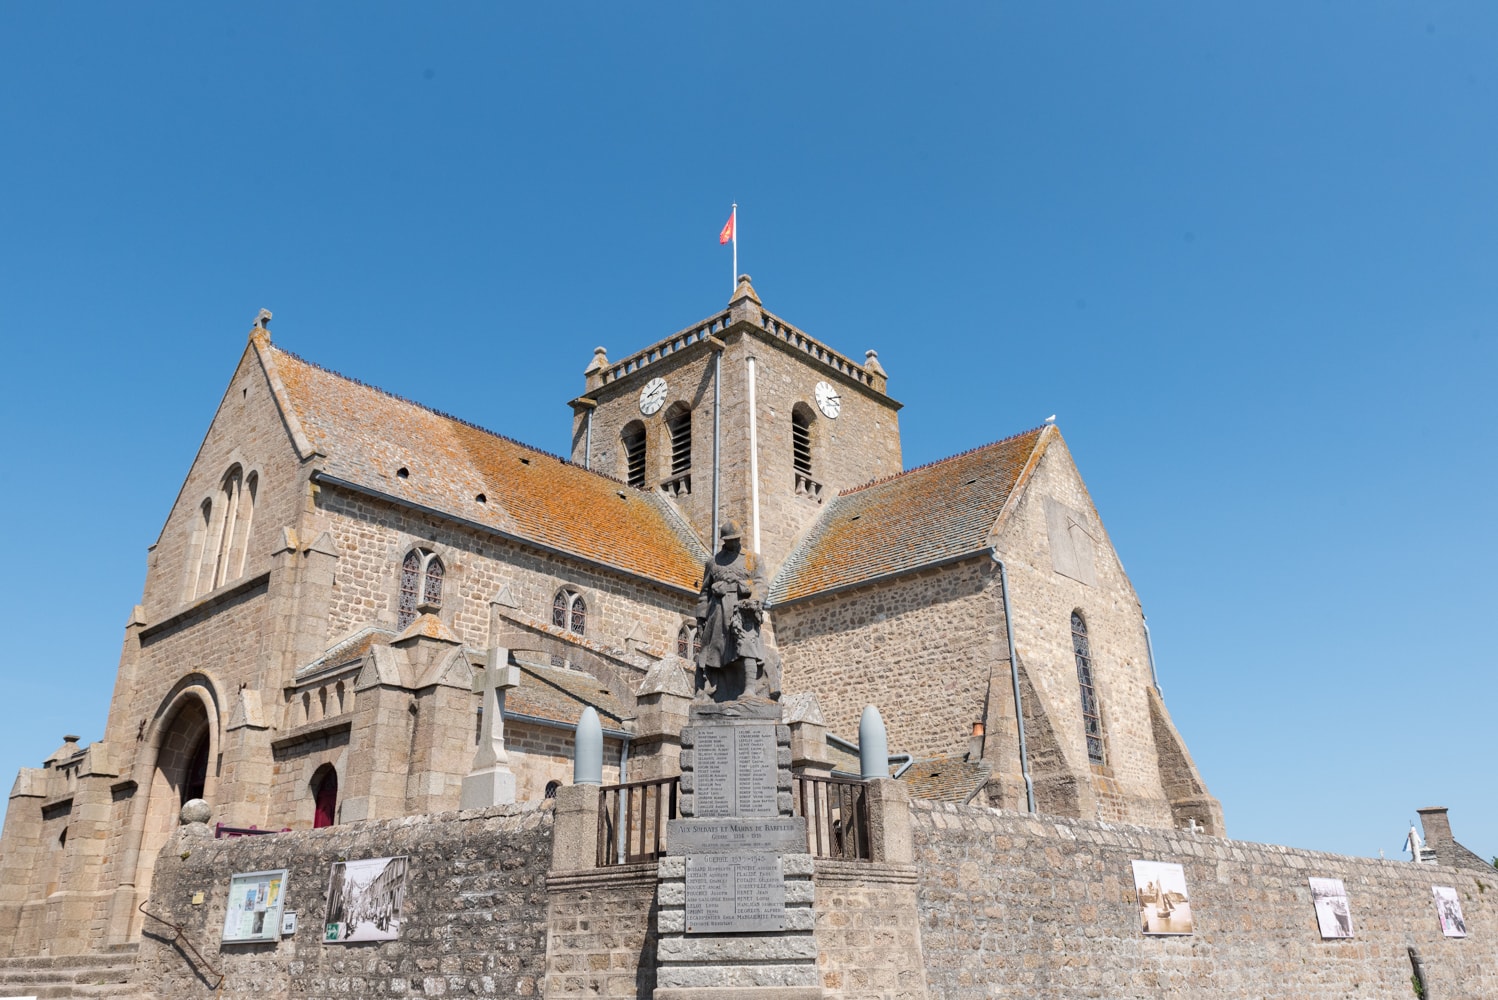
point(632, 820)
point(837, 816)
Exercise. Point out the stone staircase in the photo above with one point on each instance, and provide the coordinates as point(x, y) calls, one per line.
point(105, 974)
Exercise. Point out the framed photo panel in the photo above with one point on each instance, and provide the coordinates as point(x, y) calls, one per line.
point(365, 900)
point(256, 900)
point(1164, 905)
point(1333, 912)
point(1449, 909)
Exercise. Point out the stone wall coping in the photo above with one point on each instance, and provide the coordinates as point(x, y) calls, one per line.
point(1146, 840)
point(612, 877)
point(864, 872)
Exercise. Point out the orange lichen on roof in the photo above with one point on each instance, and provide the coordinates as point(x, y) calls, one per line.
point(427, 626)
point(381, 442)
point(913, 519)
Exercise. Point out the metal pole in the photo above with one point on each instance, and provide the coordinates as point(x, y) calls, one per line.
point(712, 543)
point(588, 441)
point(735, 216)
point(753, 458)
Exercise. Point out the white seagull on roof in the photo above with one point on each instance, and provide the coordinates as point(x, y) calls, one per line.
point(1051, 419)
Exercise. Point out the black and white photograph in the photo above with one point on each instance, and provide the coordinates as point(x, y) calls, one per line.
point(1333, 911)
point(1164, 905)
point(1449, 909)
point(365, 900)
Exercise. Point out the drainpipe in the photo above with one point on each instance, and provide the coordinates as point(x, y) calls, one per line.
point(619, 804)
point(712, 543)
point(1019, 711)
point(588, 441)
point(1149, 647)
point(753, 458)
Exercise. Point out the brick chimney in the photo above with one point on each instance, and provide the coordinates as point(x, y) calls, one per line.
point(1437, 831)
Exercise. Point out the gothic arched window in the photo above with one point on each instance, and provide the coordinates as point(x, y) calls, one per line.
point(688, 642)
point(421, 584)
point(569, 612)
point(1092, 716)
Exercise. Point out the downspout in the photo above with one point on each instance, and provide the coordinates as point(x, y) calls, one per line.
point(588, 440)
point(1019, 711)
point(712, 543)
point(621, 797)
point(753, 459)
point(1149, 647)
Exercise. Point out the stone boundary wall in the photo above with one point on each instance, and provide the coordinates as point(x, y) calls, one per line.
point(475, 910)
point(1044, 907)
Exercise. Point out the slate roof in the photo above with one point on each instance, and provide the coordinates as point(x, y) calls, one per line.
point(559, 694)
point(909, 520)
point(946, 779)
point(368, 435)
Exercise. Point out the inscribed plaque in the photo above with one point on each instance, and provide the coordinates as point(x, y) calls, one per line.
point(734, 771)
point(734, 893)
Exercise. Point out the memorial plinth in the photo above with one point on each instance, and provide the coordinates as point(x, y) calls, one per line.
point(735, 889)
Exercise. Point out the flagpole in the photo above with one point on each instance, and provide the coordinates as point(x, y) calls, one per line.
point(735, 216)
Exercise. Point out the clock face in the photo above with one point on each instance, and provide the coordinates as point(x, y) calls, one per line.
point(828, 401)
point(652, 396)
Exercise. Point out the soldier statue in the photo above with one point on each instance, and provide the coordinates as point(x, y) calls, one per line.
point(734, 660)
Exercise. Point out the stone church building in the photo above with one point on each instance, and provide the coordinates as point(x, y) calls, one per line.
point(341, 563)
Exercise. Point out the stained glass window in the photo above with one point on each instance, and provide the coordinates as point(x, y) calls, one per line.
point(433, 593)
point(410, 589)
point(1092, 716)
point(569, 612)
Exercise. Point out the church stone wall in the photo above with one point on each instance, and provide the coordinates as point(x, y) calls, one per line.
point(1044, 907)
point(475, 911)
point(1042, 600)
point(920, 647)
point(373, 538)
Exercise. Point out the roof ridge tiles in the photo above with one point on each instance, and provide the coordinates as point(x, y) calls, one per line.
point(935, 462)
point(455, 419)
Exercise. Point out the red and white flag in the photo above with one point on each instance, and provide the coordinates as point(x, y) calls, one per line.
point(727, 233)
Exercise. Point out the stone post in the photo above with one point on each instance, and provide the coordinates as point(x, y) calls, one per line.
point(574, 842)
point(890, 839)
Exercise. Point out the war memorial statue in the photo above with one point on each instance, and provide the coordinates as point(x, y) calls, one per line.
point(734, 661)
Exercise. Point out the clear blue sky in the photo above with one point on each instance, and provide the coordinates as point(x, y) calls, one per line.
point(1246, 252)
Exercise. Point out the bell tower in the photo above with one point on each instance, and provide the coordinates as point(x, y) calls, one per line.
point(744, 407)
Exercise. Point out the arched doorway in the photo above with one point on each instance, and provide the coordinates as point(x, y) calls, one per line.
point(185, 746)
point(324, 797)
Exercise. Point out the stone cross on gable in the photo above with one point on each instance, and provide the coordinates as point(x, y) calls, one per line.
point(491, 783)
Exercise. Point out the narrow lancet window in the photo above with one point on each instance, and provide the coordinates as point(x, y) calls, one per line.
point(1092, 716)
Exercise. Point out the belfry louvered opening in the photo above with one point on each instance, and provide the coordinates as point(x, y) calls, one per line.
point(801, 442)
point(634, 455)
point(679, 425)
